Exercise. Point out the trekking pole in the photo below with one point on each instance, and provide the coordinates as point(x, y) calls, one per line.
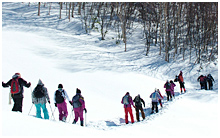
point(71, 114)
point(30, 109)
point(9, 98)
point(52, 111)
point(85, 118)
point(32, 103)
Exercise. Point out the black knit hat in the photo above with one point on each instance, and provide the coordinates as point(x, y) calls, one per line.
point(78, 90)
point(60, 86)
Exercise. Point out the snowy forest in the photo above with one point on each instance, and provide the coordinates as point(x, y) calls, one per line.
point(177, 28)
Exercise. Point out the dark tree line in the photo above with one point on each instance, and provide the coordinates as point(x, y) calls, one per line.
point(177, 28)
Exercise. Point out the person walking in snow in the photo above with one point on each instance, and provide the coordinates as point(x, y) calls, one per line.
point(202, 80)
point(168, 90)
point(155, 96)
point(138, 104)
point(172, 85)
point(127, 101)
point(60, 97)
point(210, 81)
point(39, 99)
point(78, 106)
point(17, 83)
point(181, 81)
point(160, 100)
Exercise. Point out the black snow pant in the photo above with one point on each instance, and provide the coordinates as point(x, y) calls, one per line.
point(203, 85)
point(137, 113)
point(18, 100)
point(154, 106)
point(169, 96)
point(210, 85)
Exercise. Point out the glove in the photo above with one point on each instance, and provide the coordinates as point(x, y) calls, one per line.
point(85, 110)
point(49, 102)
point(55, 104)
point(70, 103)
point(29, 84)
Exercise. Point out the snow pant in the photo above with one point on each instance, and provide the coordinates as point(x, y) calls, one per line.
point(154, 106)
point(172, 93)
point(128, 110)
point(182, 87)
point(18, 100)
point(137, 113)
point(169, 96)
point(160, 101)
point(38, 110)
point(210, 84)
point(78, 114)
point(203, 85)
point(63, 113)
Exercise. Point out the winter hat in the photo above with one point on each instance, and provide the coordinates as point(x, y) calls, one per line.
point(16, 75)
point(60, 86)
point(127, 93)
point(78, 90)
point(40, 82)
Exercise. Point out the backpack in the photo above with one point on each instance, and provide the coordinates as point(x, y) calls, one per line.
point(126, 99)
point(15, 87)
point(168, 85)
point(59, 96)
point(176, 79)
point(154, 96)
point(137, 101)
point(38, 91)
point(76, 102)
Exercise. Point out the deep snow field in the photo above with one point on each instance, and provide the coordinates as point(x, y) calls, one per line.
point(58, 51)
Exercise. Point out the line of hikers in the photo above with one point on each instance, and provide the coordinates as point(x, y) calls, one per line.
point(40, 97)
point(156, 98)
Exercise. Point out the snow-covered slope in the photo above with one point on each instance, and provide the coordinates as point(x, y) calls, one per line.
point(46, 49)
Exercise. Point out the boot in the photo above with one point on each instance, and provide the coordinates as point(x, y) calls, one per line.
point(74, 122)
point(81, 123)
point(64, 119)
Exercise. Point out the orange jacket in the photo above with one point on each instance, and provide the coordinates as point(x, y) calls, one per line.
point(180, 77)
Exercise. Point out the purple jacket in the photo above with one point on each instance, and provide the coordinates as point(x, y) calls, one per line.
point(129, 100)
point(172, 87)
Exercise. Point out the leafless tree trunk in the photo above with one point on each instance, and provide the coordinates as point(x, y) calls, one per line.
point(38, 8)
point(60, 9)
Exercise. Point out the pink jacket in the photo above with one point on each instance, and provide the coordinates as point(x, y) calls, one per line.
point(172, 88)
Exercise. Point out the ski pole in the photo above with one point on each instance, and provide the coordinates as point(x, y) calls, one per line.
point(30, 109)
